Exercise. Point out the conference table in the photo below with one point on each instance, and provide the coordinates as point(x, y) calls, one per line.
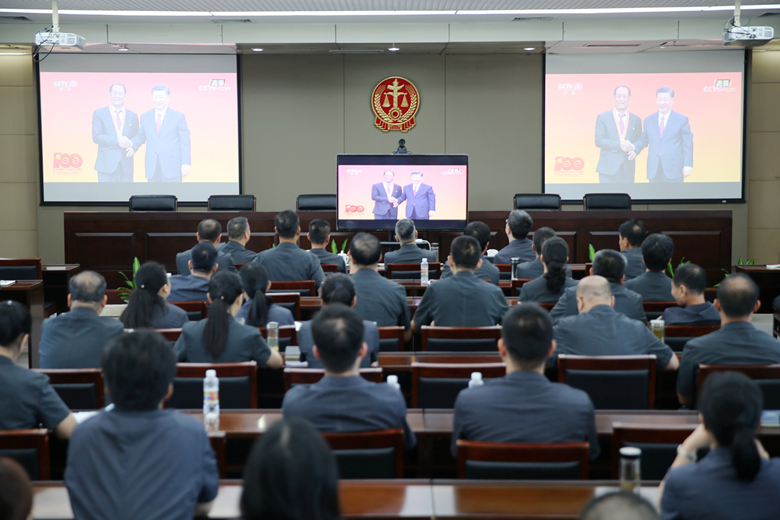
point(30, 294)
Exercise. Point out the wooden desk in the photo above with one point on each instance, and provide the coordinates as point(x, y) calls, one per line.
point(56, 279)
point(30, 294)
point(768, 280)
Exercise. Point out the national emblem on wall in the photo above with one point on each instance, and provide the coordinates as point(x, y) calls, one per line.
point(395, 102)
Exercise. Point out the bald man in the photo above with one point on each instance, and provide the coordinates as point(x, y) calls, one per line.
point(600, 331)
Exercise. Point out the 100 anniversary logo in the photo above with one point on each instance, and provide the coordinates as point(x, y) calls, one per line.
point(395, 102)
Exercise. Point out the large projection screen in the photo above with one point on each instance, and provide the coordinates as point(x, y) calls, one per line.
point(603, 117)
point(118, 125)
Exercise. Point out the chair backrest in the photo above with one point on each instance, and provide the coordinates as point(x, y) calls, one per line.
point(411, 271)
point(612, 382)
point(231, 203)
point(329, 268)
point(521, 461)
point(504, 271)
point(776, 324)
point(21, 269)
point(237, 385)
point(154, 203)
point(30, 448)
point(437, 385)
point(170, 334)
point(218, 441)
point(654, 310)
point(309, 376)
point(316, 202)
point(289, 300)
point(548, 306)
point(79, 388)
point(537, 201)
point(304, 287)
point(767, 377)
point(676, 336)
point(368, 455)
point(460, 339)
point(658, 443)
point(517, 284)
point(606, 201)
point(458, 357)
point(391, 339)
point(196, 311)
point(287, 336)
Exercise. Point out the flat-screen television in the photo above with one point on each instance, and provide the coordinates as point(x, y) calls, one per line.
point(374, 191)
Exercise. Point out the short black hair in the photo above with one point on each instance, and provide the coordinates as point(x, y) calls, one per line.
point(665, 90)
point(541, 235)
point(365, 249)
point(619, 505)
point(465, 252)
point(737, 295)
point(520, 223)
point(161, 88)
point(405, 229)
point(203, 257)
point(622, 86)
point(15, 321)
point(527, 331)
point(610, 264)
point(237, 227)
point(16, 494)
point(117, 85)
point(138, 367)
point(634, 231)
point(691, 276)
point(209, 230)
point(338, 288)
point(657, 251)
point(87, 287)
point(416, 173)
point(480, 231)
point(287, 223)
point(338, 334)
point(318, 231)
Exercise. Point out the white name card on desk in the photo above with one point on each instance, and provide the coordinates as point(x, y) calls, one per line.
point(56, 267)
point(6, 283)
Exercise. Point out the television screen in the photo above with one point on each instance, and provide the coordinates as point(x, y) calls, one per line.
point(374, 191)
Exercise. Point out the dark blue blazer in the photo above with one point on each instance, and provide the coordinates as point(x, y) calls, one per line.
point(674, 149)
point(171, 145)
point(104, 135)
point(424, 201)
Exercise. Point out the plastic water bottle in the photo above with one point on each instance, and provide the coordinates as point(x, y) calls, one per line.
point(424, 272)
point(211, 398)
point(273, 335)
point(476, 379)
point(392, 381)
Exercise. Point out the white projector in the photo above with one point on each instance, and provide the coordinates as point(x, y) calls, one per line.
point(748, 36)
point(60, 39)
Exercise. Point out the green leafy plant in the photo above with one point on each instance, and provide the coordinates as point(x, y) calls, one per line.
point(739, 262)
point(130, 286)
point(591, 252)
point(671, 268)
point(335, 249)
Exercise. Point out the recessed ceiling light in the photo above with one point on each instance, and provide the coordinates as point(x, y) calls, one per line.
point(257, 49)
point(122, 49)
point(393, 48)
point(530, 48)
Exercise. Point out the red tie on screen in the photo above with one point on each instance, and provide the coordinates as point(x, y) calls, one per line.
point(118, 120)
point(159, 122)
point(415, 192)
point(622, 126)
point(662, 126)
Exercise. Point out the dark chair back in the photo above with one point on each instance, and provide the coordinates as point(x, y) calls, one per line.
point(537, 201)
point(315, 203)
point(171, 335)
point(79, 389)
point(460, 339)
point(21, 269)
point(676, 336)
point(289, 300)
point(218, 441)
point(287, 336)
point(658, 443)
point(411, 271)
point(437, 385)
point(517, 284)
point(612, 382)
point(391, 339)
point(154, 203)
point(458, 357)
point(515, 461)
point(196, 311)
point(606, 201)
point(231, 203)
point(237, 385)
point(303, 287)
point(309, 376)
point(504, 271)
point(30, 448)
point(368, 455)
point(767, 377)
point(329, 268)
point(654, 310)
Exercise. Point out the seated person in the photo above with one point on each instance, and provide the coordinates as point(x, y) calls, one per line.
point(632, 233)
point(547, 412)
point(654, 285)
point(688, 287)
point(138, 460)
point(319, 236)
point(550, 286)
point(287, 262)
point(409, 253)
point(209, 232)
point(338, 288)
point(609, 264)
point(518, 225)
point(619, 505)
point(147, 308)
point(259, 309)
point(487, 271)
point(193, 288)
point(462, 300)
point(16, 493)
point(220, 338)
point(76, 339)
point(293, 456)
point(737, 342)
point(736, 479)
point(338, 344)
point(27, 400)
point(534, 269)
point(378, 299)
point(238, 236)
point(776, 304)
point(600, 331)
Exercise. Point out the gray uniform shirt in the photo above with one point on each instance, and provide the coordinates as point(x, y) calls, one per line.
point(224, 260)
point(77, 339)
point(174, 318)
point(244, 343)
point(329, 258)
point(277, 313)
point(409, 254)
point(635, 266)
point(536, 291)
point(520, 248)
point(380, 300)
point(188, 288)
point(27, 400)
point(699, 314)
point(534, 269)
point(240, 254)
point(463, 300)
point(487, 271)
point(652, 287)
point(289, 263)
point(626, 302)
point(370, 338)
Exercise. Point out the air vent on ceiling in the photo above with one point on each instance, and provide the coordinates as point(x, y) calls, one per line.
point(14, 19)
point(536, 19)
point(228, 20)
point(357, 51)
point(769, 15)
point(608, 45)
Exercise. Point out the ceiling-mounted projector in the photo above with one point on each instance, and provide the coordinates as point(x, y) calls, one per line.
point(747, 36)
point(58, 39)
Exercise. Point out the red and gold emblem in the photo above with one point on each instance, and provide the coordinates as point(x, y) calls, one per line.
point(395, 102)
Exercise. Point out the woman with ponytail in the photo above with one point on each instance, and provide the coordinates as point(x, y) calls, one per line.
point(549, 287)
point(147, 308)
point(220, 338)
point(736, 479)
point(259, 309)
point(339, 289)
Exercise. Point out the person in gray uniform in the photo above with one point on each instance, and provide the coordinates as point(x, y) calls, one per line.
point(319, 236)
point(654, 285)
point(463, 300)
point(409, 253)
point(551, 285)
point(688, 287)
point(195, 287)
point(486, 271)
point(632, 233)
point(258, 308)
point(342, 401)
point(610, 264)
point(210, 232)
point(524, 406)
point(239, 234)
point(147, 308)
point(600, 331)
point(518, 225)
point(535, 269)
point(287, 262)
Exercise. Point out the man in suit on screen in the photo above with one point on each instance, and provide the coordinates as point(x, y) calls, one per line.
point(420, 199)
point(615, 128)
point(113, 127)
point(167, 139)
point(385, 196)
point(669, 136)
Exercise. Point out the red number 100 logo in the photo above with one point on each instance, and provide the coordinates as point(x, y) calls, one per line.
point(64, 160)
point(354, 209)
point(566, 163)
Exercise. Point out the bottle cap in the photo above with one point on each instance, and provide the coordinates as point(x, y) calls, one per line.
point(476, 376)
point(211, 373)
point(630, 452)
point(392, 379)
